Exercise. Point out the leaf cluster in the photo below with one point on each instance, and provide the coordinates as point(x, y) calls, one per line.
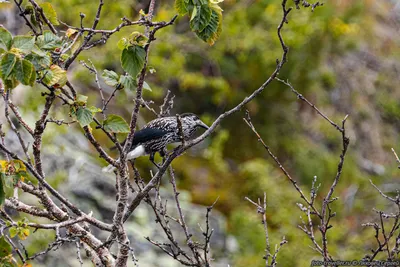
point(205, 17)
point(11, 172)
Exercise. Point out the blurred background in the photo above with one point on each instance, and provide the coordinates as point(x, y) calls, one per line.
point(344, 57)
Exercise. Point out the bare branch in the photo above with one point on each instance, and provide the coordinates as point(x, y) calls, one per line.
point(46, 20)
point(301, 97)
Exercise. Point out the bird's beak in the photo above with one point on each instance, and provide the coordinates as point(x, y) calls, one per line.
point(203, 125)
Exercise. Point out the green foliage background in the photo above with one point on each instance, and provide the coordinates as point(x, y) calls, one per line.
point(343, 57)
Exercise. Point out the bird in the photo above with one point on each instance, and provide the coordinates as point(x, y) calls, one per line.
point(158, 133)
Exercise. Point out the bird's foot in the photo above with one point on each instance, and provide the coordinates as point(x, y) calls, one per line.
point(157, 165)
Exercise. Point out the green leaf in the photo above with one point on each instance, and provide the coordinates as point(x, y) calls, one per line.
point(50, 13)
point(137, 38)
point(77, 44)
point(132, 59)
point(128, 82)
point(194, 13)
point(211, 32)
point(81, 99)
point(7, 64)
point(23, 233)
point(49, 41)
point(116, 124)
point(32, 80)
point(122, 44)
point(10, 83)
point(13, 231)
point(110, 77)
point(55, 76)
point(24, 43)
point(23, 71)
point(5, 247)
point(34, 19)
point(8, 182)
point(36, 50)
point(5, 39)
point(94, 109)
point(181, 7)
point(201, 19)
point(84, 116)
point(146, 86)
point(39, 62)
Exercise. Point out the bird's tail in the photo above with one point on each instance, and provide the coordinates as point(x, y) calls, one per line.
point(135, 153)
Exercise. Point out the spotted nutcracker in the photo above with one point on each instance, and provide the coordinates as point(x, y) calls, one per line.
point(158, 133)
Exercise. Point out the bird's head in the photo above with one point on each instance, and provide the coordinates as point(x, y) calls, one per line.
point(192, 120)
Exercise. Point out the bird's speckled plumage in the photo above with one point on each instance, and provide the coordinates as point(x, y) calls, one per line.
point(158, 133)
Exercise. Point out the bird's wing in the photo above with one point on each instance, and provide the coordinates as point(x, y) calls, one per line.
point(168, 124)
point(147, 134)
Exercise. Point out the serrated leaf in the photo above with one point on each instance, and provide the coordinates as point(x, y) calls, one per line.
point(201, 19)
point(49, 41)
point(10, 83)
point(50, 13)
point(5, 39)
point(115, 124)
point(181, 7)
point(137, 38)
point(81, 99)
point(7, 65)
point(94, 109)
point(132, 59)
point(36, 50)
point(146, 86)
point(84, 116)
point(128, 82)
point(110, 77)
point(24, 43)
point(5, 247)
point(23, 71)
point(55, 76)
point(38, 61)
point(211, 32)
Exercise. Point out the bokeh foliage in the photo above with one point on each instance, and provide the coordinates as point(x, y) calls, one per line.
point(210, 79)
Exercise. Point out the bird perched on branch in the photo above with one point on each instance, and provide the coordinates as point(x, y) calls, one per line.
point(158, 133)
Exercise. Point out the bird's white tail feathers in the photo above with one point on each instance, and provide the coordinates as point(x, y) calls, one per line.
point(135, 153)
